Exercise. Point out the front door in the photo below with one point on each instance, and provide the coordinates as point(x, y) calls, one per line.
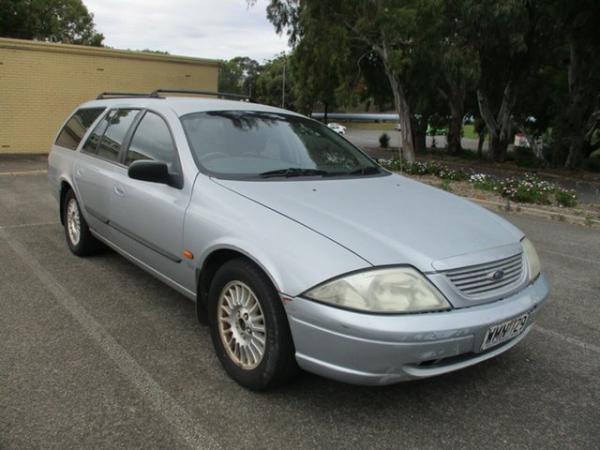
point(146, 217)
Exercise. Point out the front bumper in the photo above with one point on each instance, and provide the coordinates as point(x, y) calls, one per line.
point(384, 349)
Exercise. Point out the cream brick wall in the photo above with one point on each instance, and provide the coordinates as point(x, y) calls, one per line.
point(41, 83)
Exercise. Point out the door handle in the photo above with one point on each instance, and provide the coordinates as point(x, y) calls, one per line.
point(79, 173)
point(118, 190)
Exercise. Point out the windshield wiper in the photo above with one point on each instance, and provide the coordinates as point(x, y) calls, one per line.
point(369, 170)
point(293, 172)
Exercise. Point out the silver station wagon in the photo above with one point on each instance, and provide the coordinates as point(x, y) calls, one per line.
point(299, 250)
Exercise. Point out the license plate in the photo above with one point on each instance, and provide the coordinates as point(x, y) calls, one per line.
point(502, 332)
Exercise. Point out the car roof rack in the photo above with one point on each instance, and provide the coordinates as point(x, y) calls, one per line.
point(223, 95)
point(103, 95)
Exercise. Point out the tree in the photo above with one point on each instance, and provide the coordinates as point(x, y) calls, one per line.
point(579, 109)
point(239, 75)
point(269, 83)
point(67, 21)
point(456, 59)
point(394, 31)
point(508, 38)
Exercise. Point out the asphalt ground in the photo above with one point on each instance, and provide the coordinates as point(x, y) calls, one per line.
point(95, 353)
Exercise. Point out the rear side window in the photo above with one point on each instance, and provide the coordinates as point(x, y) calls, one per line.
point(91, 145)
point(107, 138)
point(152, 140)
point(74, 130)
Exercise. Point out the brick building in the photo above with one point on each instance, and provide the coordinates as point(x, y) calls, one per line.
point(41, 83)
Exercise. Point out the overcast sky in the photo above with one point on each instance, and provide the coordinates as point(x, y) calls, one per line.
point(218, 29)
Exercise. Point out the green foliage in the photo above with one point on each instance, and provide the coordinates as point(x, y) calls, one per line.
point(445, 185)
point(239, 75)
point(524, 157)
point(565, 198)
point(269, 83)
point(526, 189)
point(67, 21)
point(426, 168)
point(384, 140)
point(593, 161)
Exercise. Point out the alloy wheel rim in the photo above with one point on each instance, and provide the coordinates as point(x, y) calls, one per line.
point(73, 222)
point(242, 325)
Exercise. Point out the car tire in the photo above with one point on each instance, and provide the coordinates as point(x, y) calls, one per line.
point(77, 232)
point(244, 309)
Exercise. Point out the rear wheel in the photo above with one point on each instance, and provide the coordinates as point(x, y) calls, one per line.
point(79, 238)
point(249, 327)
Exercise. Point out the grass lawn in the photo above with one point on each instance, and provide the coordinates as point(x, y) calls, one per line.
point(383, 126)
point(468, 130)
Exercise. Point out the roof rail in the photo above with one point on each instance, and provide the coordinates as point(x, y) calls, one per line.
point(225, 95)
point(121, 94)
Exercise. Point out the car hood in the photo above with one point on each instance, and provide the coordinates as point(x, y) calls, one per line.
point(388, 219)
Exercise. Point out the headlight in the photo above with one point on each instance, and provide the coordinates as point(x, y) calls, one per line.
point(533, 261)
point(394, 290)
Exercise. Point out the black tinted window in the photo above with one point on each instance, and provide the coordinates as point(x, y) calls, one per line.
point(152, 140)
point(74, 130)
point(91, 145)
point(118, 125)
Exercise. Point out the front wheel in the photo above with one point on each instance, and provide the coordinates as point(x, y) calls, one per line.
point(249, 327)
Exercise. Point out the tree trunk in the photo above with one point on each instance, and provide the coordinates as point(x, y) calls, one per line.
point(420, 133)
point(573, 125)
point(407, 147)
point(325, 119)
point(454, 132)
point(480, 145)
point(406, 141)
point(500, 126)
point(455, 97)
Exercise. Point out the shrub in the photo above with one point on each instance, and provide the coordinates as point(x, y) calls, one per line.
point(384, 140)
point(524, 157)
point(565, 198)
point(483, 182)
point(529, 189)
point(593, 162)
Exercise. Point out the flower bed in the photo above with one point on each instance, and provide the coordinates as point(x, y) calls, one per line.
point(528, 189)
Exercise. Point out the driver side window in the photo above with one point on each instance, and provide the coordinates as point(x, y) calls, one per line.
point(152, 141)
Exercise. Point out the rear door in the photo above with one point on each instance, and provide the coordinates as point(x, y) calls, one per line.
point(148, 217)
point(99, 163)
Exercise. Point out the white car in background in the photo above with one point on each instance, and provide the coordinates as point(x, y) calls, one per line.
point(338, 128)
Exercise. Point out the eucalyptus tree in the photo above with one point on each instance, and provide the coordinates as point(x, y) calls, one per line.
point(508, 36)
point(395, 31)
point(238, 75)
point(578, 115)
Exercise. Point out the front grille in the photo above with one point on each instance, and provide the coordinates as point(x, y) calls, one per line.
point(489, 279)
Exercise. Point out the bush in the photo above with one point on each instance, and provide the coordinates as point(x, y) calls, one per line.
point(483, 182)
point(593, 162)
point(384, 140)
point(565, 198)
point(526, 189)
point(529, 189)
point(524, 157)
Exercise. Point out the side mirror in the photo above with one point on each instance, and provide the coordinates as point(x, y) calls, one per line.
point(154, 171)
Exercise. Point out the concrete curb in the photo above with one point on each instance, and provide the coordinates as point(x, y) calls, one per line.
point(518, 208)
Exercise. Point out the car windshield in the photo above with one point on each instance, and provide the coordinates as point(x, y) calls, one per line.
point(247, 144)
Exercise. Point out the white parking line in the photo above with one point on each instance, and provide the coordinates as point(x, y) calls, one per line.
point(26, 225)
point(570, 340)
point(186, 427)
point(20, 173)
